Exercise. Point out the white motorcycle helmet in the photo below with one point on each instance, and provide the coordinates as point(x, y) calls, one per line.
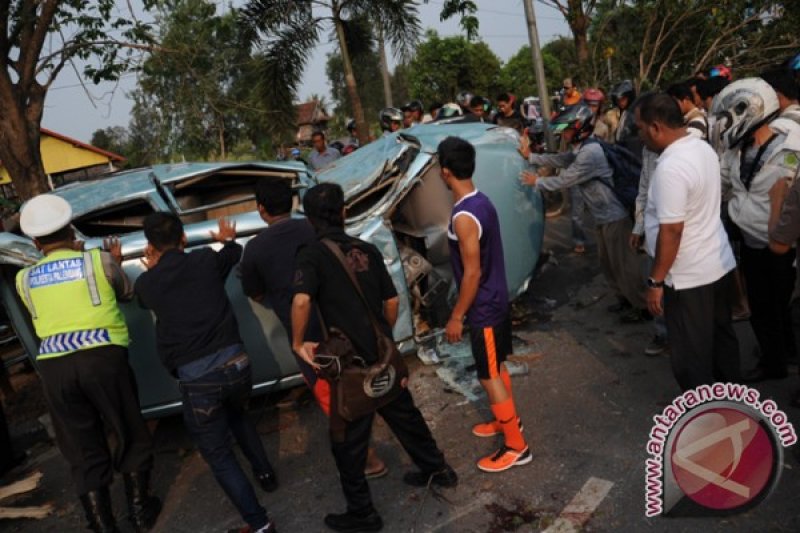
point(740, 108)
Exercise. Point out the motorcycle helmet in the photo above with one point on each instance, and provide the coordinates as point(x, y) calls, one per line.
point(594, 96)
point(414, 105)
point(625, 88)
point(741, 108)
point(463, 99)
point(389, 115)
point(576, 117)
point(449, 110)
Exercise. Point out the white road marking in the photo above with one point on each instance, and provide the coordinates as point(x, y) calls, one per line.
point(580, 509)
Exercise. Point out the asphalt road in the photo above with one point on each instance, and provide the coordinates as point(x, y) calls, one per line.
point(587, 403)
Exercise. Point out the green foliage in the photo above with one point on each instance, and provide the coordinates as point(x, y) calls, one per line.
point(112, 139)
point(38, 40)
point(658, 42)
point(286, 32)
point(519, 77)
point(467, 11)
point(197, 89)
point(444, 66)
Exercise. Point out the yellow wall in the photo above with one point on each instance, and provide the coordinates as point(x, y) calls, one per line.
point(59, 156)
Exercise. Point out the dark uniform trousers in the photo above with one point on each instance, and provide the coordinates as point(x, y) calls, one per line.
point(88, 392)
point(350, 448)
point(703, 344)
point(770, 279)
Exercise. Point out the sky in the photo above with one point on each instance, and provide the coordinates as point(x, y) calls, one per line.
point(70, 111)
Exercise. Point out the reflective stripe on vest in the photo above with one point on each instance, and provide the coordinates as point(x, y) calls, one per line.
point(91, 281)
point(72, 303)
point(72, 342)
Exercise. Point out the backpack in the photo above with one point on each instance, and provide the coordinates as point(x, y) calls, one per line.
point(626, 168)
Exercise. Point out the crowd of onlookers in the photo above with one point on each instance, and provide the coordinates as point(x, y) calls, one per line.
point(751, 125)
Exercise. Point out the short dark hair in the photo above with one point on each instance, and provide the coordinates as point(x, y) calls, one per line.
point(434, 106)
point(711, 87)
point(477, 101)
point(660, 107)
point(318, 133)
point(693, 82)
point(62, 235)
point(503, 97)
point(458, 156)
point(680, 91)
point(783, 82)
point(274, 195)
point(323, 206)
point(163, 230)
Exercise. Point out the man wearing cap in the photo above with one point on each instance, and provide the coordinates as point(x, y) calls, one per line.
point(72, 296)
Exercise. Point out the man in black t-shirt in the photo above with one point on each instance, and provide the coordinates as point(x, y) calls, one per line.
point(320, 279)
point(267, 270)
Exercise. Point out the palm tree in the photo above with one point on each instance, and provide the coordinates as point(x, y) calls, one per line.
point(287, 32)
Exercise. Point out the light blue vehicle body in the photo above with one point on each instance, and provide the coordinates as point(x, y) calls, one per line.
point(393, 193)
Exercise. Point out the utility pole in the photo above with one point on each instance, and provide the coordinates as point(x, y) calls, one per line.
point(538, 66)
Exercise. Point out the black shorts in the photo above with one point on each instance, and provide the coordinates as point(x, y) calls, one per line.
point(490, 347)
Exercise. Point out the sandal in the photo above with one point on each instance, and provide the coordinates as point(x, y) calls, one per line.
point(377, 473)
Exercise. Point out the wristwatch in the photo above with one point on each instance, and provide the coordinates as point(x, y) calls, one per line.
point(653, 284)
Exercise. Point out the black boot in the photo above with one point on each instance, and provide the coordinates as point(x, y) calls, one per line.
point(97, 506)
point(142, 507)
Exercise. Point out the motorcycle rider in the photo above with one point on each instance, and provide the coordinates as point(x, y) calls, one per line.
point(759, 148)
point(391, 120)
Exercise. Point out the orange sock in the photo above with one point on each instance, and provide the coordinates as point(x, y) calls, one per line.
point(506, 377)
point(506, 415)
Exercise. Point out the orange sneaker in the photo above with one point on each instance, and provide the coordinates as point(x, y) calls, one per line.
point(490, 429)
point(504, 459)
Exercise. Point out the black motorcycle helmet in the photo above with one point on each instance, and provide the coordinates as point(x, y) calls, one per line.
point(389, 115)
point(578, 117)
point(625, 88)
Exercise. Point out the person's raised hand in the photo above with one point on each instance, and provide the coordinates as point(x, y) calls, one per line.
point(226, 231)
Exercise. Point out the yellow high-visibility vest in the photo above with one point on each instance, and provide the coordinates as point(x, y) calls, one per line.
point(72, 304)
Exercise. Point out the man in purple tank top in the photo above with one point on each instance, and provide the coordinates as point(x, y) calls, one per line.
point(476, 255)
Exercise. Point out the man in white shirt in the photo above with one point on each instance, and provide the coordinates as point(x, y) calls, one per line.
point(692, 269)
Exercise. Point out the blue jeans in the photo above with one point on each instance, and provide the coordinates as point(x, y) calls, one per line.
point(214, 405)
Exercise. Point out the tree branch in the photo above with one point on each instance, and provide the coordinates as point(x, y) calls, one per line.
point(33, 37)
point(724, 35)
point(69, 50)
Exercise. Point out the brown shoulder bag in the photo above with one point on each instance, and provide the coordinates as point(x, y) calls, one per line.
point(359, 388)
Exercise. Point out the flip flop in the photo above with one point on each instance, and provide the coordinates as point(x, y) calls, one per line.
point(378, 473)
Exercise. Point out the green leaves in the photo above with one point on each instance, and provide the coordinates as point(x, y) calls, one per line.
point(467, 10)
point(444, 66)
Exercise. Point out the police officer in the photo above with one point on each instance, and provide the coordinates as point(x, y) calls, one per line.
point(72, 295)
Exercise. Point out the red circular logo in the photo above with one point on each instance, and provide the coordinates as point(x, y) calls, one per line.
point(723, 458)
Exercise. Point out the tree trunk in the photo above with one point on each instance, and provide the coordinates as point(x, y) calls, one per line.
point(19, 142)
point(579, 24)
point(350, 80)
point(387, 83)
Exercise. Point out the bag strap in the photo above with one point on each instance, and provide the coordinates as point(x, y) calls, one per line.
point(337, 252)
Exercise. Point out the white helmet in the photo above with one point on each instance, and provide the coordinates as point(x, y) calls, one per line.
point(449, 110)
point(44, 215)
point(740, 108)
